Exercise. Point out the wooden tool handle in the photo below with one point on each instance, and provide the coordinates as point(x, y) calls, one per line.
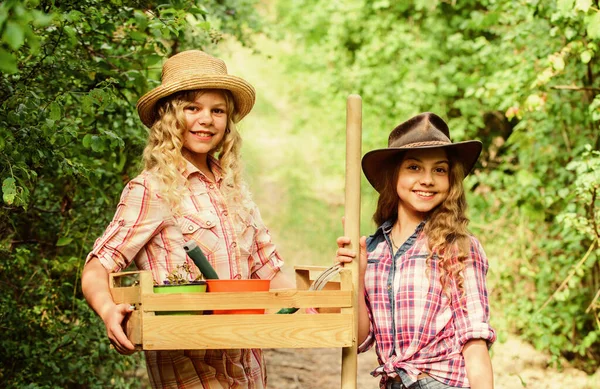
point(353, 155)
point(352, 226)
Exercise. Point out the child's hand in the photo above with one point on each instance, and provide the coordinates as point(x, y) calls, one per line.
point(113, 320)
point(345, 255)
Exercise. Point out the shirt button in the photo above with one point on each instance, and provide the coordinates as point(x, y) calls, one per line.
point(190, 228)
point(225, 213)
point(209, 223)
point(211, 186)
point(233, 244)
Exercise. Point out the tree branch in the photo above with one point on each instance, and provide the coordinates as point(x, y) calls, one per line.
point(574, 87)
point(592, 214)
point(571, 274)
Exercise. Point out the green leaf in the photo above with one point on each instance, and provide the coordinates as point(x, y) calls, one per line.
point(74, 16)
point(55, 111)
point(138, 36)
point(583, 5)
point(87, 104)
point(558, 63)
point(593, 25)
point(40, 18)
point(586, 56)
point(97, 143)
point(570, 33)
point(153, 59)
point(204, 25)
point(63, 241)
point(8, 63)
point(3, 13)
point(565, 6)
point(194, 10)
point(87, 141)
point(13, 35)
point(9, 190)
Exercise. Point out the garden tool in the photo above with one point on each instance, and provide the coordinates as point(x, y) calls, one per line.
point(318, 284)
point(194, 252)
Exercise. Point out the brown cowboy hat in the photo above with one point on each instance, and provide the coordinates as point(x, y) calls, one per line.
point(424, 131)
point(194, 69)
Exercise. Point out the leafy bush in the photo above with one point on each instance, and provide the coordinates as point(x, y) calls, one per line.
point(70, 74)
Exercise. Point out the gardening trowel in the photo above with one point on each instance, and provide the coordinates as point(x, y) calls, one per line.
point(194, 252)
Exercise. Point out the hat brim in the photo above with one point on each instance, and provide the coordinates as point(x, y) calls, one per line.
point(376, 163)
point(243, 94)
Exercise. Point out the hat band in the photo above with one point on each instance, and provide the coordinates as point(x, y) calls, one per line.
point(430, 143)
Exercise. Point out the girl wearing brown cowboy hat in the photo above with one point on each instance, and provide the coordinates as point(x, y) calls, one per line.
point(190, 189)
point(423, 275)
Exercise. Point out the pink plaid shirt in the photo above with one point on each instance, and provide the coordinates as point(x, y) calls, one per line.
point(145, 231)
point(416, 328)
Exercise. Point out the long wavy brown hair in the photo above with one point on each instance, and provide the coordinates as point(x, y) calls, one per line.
point(163, 153)
point(446, 229)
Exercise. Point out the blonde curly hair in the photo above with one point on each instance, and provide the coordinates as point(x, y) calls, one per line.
point(164, 159)
point(446, 229)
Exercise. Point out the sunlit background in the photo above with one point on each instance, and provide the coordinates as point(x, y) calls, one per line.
point(521, 76)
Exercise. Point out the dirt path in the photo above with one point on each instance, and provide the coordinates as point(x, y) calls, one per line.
point(516, 365)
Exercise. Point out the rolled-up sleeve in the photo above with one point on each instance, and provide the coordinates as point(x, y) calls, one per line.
point(139, 216)
point(266, 259)
point(471, 308)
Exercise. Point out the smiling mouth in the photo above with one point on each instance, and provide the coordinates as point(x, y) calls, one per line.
point(202, 134)
point(422, 194)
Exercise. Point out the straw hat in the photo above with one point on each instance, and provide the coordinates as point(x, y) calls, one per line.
point(424, 131)
point(194, 69)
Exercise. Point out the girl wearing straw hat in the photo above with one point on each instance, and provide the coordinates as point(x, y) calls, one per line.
point(190, 189)
point(422, 273)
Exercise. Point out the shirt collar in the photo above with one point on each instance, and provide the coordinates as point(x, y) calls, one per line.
point(190, 169)
point(387, 225)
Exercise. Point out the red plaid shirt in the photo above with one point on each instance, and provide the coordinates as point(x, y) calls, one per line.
point(415, 326)
point(145, 231)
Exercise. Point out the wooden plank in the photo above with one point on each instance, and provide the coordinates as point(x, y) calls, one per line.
point(332, 285)
point(133, 328)
point(126, 295)
point(311, 268)
point(247, 331)
point(275, 299)
point(302, 279)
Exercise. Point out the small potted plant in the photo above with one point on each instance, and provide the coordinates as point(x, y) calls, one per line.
point(178, 281)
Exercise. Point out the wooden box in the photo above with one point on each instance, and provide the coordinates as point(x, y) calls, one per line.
point(332, 327)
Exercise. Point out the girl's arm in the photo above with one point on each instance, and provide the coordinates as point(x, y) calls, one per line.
point(472, 315)
point(281, 281)
point(345, 255)
point(478, 364)
point(94, 284)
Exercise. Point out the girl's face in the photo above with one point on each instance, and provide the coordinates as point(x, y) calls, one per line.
point(423, 181)
point(206, 122)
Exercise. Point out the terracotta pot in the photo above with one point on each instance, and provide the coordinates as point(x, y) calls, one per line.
point(254, 285)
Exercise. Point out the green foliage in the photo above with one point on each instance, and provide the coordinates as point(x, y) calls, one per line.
point(520, 76)
point(70, 74)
